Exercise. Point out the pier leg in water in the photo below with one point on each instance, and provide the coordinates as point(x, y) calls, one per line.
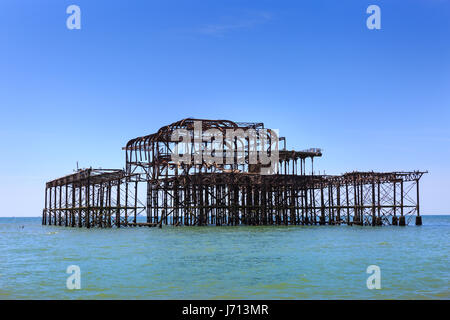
point(394, 221)
point(379, 222)
point(418, 221)
point(322, 221)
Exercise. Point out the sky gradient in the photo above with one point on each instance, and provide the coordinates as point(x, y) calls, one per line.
point(372, 99)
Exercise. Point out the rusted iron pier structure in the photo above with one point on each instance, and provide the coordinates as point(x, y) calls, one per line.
point(200, 192)
point(92, 198)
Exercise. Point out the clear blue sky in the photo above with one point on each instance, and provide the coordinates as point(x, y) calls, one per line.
point(372, 99)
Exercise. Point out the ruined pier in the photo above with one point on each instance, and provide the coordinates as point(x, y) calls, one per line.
point(186, 185)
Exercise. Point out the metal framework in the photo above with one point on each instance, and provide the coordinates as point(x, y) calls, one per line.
point(227, 193)
point(92, 198)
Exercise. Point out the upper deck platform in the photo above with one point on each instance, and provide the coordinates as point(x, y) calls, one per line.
point(89, 176)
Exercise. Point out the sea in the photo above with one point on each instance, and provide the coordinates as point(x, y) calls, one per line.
point(229, 262)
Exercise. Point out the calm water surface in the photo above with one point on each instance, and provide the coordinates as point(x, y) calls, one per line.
point(294, 262)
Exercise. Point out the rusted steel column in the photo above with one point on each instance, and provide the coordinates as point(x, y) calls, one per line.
point(195, 217)
point(80, 204)
point(165, 201)
point(109, 191)
point(72, 211)
point(269, 204)
point(54, 211)
point(235, 207)
point(60, 205)
point(394, 218)
point(126, 201)
point(264, 204)
point(101, 197)
point(202, 208)
point(105, 206)
point(206, 204)
point(155, 191)
point(379, 221)
point(330, 205)
point(338, 203)
point(44, 213)
point(302, 207)
point(95, 206)
point(250, 206)
point(322, 206)
point(313, 204)
point(254, 212)
point(362, 211)
point(87, 199)
point(224, 205)
point(297, 205)
point(418, 217)
point(118, 204)
point(373, 205)
point(276, 206)
point(257, 205)
point(225, 212)
point(186, 205)
point(176, 203)
point(50, 202)
point(285, 204)
point(216, 200)
point(150, 202)
point(66, 205)
point(402, 220)
point(135, 201)
point(347, 203)
point(292, 218)
point(355, 203)
point(244, 200)
point(306, 220)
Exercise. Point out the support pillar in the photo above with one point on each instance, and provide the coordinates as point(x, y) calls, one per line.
point(418, 217)
point(402, 220)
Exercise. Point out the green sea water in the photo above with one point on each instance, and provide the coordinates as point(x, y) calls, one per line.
point(294, 262)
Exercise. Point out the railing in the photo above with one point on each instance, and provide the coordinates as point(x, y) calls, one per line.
point(313, 150)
